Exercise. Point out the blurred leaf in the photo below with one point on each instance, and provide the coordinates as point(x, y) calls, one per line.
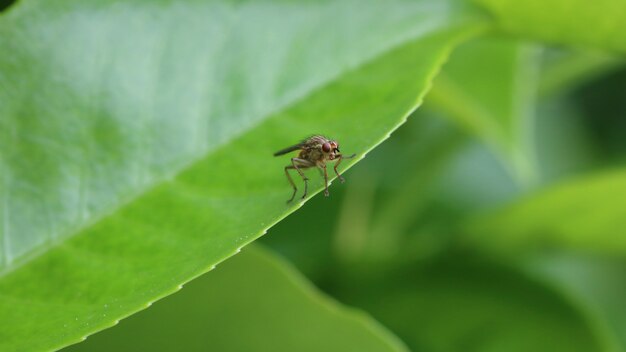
point(254, 302)
point(598, 24)
point(585, 214)
point(565, 71)
point(597, 284)
point(104, 104)
point(565, 147)
point(459, 303)
point(488, 88)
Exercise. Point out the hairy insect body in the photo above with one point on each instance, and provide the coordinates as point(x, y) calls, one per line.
point(311, 154)
point(314, 151)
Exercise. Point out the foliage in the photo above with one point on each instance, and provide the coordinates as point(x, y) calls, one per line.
point(135, 155)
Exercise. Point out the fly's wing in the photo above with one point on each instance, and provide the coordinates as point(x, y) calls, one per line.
point(289, 149)
point(307, 143)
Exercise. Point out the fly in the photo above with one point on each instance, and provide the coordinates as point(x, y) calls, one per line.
point(315, 151)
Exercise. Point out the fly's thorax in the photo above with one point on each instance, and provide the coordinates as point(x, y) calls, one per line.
point(316, 155)
point(312, 154)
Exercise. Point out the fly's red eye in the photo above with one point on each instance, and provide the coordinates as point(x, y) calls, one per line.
point(326, 147)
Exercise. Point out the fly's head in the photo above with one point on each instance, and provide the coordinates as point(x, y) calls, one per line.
point(331, 149)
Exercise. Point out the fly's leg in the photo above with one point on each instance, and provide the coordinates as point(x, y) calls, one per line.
point(325, 180)
point(341, 157)
point(337, 172)
point(298, 165)
point(293, 185)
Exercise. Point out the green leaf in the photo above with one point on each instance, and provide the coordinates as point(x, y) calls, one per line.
point(136, 138)
point(489, 88)
point(461, 303)
point(598, 24)
point(597, 285)
point(585, 214)
point(103, 108)
point(567, 70)
point(253, 302)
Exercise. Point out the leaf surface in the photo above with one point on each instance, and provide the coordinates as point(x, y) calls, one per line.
point(596, 283)
point(585, 214)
